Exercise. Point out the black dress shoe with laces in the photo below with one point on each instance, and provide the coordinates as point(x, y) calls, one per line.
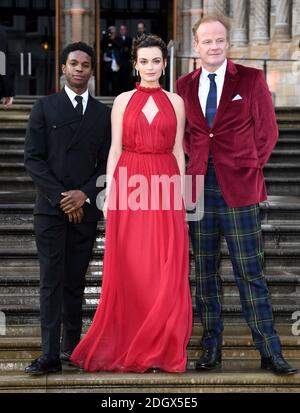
point(44, 365)
point(277, 364)
point(211, 359)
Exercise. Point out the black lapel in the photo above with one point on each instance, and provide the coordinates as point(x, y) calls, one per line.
point(87, 122)
point(66, 112)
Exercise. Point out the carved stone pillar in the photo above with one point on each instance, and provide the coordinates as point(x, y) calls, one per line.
point(191, 11)
point(212, 6)
point(78, 22)
point(296, 18)
point(261, 22)
point(239, 32)
point(283, 20)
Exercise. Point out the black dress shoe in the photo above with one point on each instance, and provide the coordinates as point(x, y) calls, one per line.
point(153, 370)
point(65, 358)
point(44, 365)
point(277, 364)
point(211, 359)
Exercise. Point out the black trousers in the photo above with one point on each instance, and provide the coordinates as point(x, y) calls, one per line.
point(64, 251)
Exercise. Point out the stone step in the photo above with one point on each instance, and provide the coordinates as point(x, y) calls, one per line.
point(275, 170)
point(20, 203)
point(285, 156)
point(271, 170)
point(29, 312)
point(286, 256)
point(29, 296)
point(232, 378)
point(280, 208)
point(283, 186)
point(285, 142)
point(21, 237)
point(289, 133)
point(239, 357)
point(22, 224)
point(278, 183)
point(279, 155)
point(9, 142)
point(12, 133)
point(20, 275)
point(275, 185)
point(11, 155)
point(17, 351)
point(238, 333)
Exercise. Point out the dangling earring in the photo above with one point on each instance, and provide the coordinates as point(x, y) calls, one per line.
point(164, 72)
point(137, 73)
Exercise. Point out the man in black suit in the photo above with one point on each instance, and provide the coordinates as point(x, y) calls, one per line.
point(124, 44)
point(6, 76)
point(66, 149)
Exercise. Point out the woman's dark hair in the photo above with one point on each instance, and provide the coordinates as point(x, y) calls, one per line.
point(74, 47)
point(149, 40)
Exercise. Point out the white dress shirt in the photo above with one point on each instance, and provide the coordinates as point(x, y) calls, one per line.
point(85, 98)
point(204, 85)
point(72, 95)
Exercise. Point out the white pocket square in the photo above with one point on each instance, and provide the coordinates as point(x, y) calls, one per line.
point(237, 97)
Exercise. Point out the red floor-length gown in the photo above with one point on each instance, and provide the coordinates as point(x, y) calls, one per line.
point(144, 317)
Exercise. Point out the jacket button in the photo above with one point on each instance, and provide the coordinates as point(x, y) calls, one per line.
point(211, 135)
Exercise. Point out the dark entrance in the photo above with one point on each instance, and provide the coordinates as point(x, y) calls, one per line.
point(30, 26)
point(157, 16)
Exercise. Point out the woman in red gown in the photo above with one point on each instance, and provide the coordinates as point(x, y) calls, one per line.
point(144, 317)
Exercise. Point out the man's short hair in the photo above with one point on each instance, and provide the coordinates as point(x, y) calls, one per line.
point(213, 17)
point(74, 47)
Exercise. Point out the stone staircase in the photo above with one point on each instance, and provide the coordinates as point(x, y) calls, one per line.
point(19, 282)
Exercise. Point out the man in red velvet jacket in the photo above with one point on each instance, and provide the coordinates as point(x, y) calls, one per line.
point(231, 131)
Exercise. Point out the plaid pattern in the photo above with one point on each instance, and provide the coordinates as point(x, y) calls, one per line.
point(211, 103)
point(242, 230)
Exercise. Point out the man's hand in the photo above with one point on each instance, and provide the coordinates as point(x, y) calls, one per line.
point(7, 101)
point(76, 216)
point(72, 201)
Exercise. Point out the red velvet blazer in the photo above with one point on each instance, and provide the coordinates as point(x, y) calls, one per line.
point(242, 137)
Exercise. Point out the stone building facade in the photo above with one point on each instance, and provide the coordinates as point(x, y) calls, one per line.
point(265, 34)
point(267, 31)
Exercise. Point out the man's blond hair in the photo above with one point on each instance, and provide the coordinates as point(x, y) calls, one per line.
point(212, 17)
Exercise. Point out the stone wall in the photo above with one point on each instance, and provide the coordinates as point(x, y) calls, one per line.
point(261, 29)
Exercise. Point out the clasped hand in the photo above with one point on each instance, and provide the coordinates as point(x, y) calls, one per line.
point(72, 203)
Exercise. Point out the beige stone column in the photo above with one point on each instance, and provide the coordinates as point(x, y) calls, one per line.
point(79, 25)
point(68, 23)
point(191, 10)
point(212, 6)
point(296, 19)
point(261, 26)
point(283, 20)
point(239, 32)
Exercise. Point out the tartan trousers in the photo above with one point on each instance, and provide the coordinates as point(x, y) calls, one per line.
point(241, 228)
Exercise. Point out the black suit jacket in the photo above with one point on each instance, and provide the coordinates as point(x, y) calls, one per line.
point(64, 151)
point(7, 81)
point(124, 47)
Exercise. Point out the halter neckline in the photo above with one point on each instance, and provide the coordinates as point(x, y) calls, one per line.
point(147, 89)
